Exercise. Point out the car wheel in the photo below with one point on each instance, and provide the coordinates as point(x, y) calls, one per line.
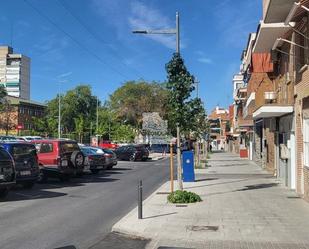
point(27, 185)
point(132, 158)
point(110, 167)
point(77, 158)
point(3, 193)
point(95, 171)
point(42, 177)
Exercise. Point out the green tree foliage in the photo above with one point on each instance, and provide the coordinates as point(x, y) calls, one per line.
point(188, 113)
point(3, 94)
point(78, 110)
point(134, 98)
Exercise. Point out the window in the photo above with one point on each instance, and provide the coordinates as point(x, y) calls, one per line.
point(45, 148)
point(306, 142)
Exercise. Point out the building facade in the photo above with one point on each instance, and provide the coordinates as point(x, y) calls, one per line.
point(276, 78)
point(15, 73)
point(18, 116)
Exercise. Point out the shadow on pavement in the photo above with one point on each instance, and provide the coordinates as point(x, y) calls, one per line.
point(115, 240)
point(32, 195)
point(258, 186)
point(159, 215)
point(206, 179)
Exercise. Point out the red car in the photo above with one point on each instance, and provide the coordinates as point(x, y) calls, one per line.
point(59, 158)
point(108, 145)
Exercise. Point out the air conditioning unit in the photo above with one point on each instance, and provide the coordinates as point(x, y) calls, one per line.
point(270, 96)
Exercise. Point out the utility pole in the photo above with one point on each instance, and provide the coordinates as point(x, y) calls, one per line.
point(197, 82)
point(97, 121)
point(176, 32)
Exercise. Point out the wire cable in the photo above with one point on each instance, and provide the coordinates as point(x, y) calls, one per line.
point(95, 36)
point(74, 40)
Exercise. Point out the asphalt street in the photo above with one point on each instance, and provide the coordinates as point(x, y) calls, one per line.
point(78, 213)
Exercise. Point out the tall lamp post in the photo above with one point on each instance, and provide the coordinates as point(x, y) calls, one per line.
point(176, 32)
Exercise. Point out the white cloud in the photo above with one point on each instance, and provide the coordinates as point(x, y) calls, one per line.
point(144, 17)
point(205, 60)
point(234, 21)
point(125, 16)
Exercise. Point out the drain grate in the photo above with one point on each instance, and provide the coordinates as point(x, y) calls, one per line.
point(293, 197)
point(181, 205)
point(203, 228)
point(163, 193)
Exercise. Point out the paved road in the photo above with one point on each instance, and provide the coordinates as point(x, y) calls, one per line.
point(78, 213)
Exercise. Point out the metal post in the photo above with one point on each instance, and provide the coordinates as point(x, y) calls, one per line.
point(140, 199)
point(177, 34)
point(97, 121)
point(179, 168)
point(59, 114)
point(172, 167)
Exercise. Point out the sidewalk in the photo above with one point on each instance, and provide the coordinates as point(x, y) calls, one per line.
point(243, 207)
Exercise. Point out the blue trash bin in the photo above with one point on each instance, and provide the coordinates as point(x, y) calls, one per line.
point(188, 166)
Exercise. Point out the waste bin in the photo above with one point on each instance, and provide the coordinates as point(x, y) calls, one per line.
point(188, 166)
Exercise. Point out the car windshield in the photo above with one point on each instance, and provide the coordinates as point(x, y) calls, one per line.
point(69, 147)
point(19, 150)
point(97, 150)
point(87, 151)
point(4, 155)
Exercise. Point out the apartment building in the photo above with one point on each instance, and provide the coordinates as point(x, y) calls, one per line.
point(219, 126)
point(276, 77)
point(15, 73)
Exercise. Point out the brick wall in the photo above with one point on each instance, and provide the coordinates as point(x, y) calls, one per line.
point(269, 150)
point(302, 187)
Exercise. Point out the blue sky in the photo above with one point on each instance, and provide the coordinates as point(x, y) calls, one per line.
point(213, 34)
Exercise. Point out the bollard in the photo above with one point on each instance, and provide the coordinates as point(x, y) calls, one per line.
point(140, 199)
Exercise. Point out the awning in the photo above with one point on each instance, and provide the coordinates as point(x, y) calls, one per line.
point(268, 34)
point(270, 111)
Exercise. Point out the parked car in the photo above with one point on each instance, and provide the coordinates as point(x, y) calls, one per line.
point(30, 138)
point(7, 138)
point(59, 158)
point(26, 162)
point(110, 157)
point(7, 172)
point(132, 153)
point(93, 161)
point(162, 148)
point(105, 144)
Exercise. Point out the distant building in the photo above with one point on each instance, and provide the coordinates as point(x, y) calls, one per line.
point(218, 122)
point(15, 73)
point(19, 114)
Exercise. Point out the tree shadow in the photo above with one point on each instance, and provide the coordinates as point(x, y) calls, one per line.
point(257, 186)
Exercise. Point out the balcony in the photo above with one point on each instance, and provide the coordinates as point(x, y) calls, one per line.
point(276, 11)
point(270, 96)
point(267, 35)
point(271, 111)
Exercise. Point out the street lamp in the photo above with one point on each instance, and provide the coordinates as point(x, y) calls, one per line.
point(164, 32)
point(176, 32)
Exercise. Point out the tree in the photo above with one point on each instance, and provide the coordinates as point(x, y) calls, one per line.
point(130, 101)
point(183, 112)
point(78, 111)
point(3, 94)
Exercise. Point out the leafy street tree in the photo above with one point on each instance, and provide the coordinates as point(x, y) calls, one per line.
point(188, 113)
point(134, 98)
point(183, 111)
